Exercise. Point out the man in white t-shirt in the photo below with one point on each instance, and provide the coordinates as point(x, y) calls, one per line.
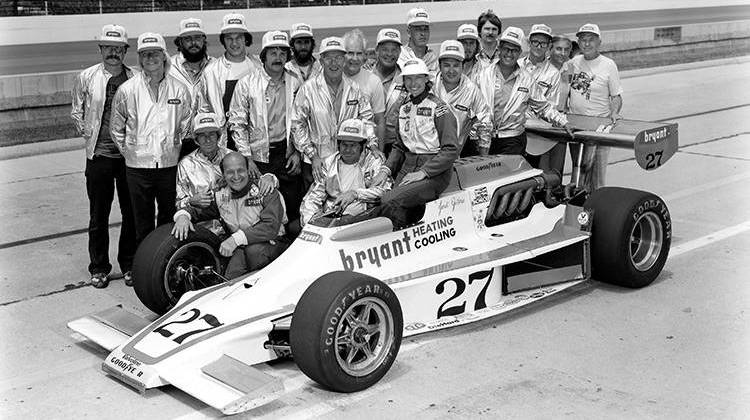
point(355, 45)
point(595, 90)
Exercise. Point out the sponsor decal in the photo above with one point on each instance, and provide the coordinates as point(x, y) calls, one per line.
point(421, 14)
point(467, 30)
point(583, 218)
point(468, 316)
point(462, 108)
point(279, 37)
point(442, 324)
point(424, 111)
point(479, 218)
point(303, 28)
point(481, 195)
point(192, 25)
point(652, 136)
point(354, 130)
point(149, 40)
point(512, 35)
point(488, 166)
point(415, 326)
point(352, 102)
point(460, 248)
point(207, 120)
point(390, 34)
point(308, 236)
point(451, 48)
point(126, 366)
point(657, 206)
point(234, 21)
point(523, 89)
point(113, 33)
point(334, 43)
point(350, 297)
point(174, 101)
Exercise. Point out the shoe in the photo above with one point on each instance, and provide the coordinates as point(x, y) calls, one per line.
point(99, 280)
point(128, 278)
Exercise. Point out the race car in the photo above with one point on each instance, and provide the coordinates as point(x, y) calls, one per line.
point(341, 298)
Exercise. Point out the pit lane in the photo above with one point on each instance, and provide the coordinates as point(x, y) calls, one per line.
point(677, 349)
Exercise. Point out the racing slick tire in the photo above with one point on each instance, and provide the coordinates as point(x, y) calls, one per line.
point(162, 262)
point(630, 236)
point(346, 331)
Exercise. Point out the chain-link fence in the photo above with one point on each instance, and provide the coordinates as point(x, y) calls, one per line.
point(40, 7)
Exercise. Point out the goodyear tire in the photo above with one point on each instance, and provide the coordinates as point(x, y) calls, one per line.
point(162, 264)
point(346, 331)
point(631, 235)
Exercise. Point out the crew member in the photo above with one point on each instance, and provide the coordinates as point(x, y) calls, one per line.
point(388, 49)
point(418, 28)
point(468, 36)
point(355, 43)
point(303, 64)
point(489, 26)
point(93, 90)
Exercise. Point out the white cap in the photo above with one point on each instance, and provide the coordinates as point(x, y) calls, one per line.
point(332, 43)
point(389, 35)
point(352, 129)
point(233, 22)
point(414, 66)
point(541, 29)
point(205, 122)
point(590, 28)
point(151, 41)
point(301, 30)
point(418, 16)
point(467, 31)
point(451, 49)
point(513, 35)
point(274, 39)
point(113, 35)
point(191, 26)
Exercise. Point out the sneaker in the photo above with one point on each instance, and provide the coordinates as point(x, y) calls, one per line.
point(128, 277)
point(99, 280)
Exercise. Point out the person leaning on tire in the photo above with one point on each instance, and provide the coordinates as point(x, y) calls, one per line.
point(255, 221)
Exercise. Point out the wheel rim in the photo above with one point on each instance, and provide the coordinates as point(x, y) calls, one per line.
point(184, 265)
point(364, 336)
point(646, 241)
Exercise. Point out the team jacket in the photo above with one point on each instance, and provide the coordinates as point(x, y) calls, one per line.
point(248, 114)
point(197, 174)
point(425, 127)
point(395, 95)
point(314, 122)
point(293, 68)
point(430, 59)
point(149, 132)
point(473, 115)
point(547, 77)
point(89, 95)
point(524, 95)
point(323, 193)
point(178, 71)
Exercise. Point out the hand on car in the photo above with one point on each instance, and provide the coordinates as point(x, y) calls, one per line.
point(293, 164)
point(182, 227)
point(202, 200)
point(413, 177)
point(344, 199)
point(227, 247)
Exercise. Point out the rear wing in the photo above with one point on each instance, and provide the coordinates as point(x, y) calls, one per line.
point(653, 143)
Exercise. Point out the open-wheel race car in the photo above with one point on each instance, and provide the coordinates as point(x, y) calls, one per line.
point(340, 299)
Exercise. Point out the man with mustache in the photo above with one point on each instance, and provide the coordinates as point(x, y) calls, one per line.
point(93, 91)
point(388, 49)
point(489, 27)
point(355, 44)
point(303, 64)
point(418, 27)
point(260, 120)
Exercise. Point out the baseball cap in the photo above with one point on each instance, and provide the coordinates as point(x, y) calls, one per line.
point(352, 129)
point(233, 22)
point(389, 35)
point(451, 49)
point(541, 29)
point(418, 16)
point(467, 31)
point(589, 28)
point(191, 26)
point(151, 41)
point(332, 43)
point(205, 122)
point(113, 35)
point(512, 35)
point(274, 39)
point(301, 30)
point(414, 67)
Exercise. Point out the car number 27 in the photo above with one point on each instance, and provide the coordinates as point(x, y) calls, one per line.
point(455, 304)
point(195, 314)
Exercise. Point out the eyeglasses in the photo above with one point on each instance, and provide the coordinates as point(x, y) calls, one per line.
point(538, 44)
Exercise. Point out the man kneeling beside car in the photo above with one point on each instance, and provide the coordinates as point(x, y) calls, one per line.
point(255, 221)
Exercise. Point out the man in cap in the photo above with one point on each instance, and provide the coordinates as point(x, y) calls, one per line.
point(468, 36)
point(489, 27)
point(418, 27)
point(255, 221)
point(347, 187)
point(221, 75)
point(595, 90)
point(93, 91)
point(188, 64)
point(151, 115)
point(355, 44)
point(303, 64)
point(510, 91)
point(388, 71)
point(321, 104)
point(473, 115)
point(260, 120)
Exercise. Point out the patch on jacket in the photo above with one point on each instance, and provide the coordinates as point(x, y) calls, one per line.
point(424, 111)
point(523, 89)
point(352, 102)
point(462, 108)
point(174, 101)
point(544, 84)
point(254, 202)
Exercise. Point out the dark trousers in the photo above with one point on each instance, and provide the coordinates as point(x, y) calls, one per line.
point(404, 205)
point(146, 186)
point(291, 187)
point(307, 176)
point(253, 257)
point(515, 145)
point(103, 175)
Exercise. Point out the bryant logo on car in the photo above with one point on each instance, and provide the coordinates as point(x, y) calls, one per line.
point(206, 120)
point(655, 135)
point(113, 33)
point(174, 101)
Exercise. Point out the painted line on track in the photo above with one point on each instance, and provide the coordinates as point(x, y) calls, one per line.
point(709, 239)
point(706, 186)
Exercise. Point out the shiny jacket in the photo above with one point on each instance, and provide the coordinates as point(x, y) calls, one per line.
point(395, 95)
point(430, 59)
point(314, 122)
point(192, 82)
point(525, 94)
point(89, 95)
point(197, 174)
point(149, 133)
point(248, 114)
point(293, 68)
point(473, 115)
point(547, 76)
point(323, 193)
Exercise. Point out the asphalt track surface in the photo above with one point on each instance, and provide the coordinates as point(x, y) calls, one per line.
point(676, 349)
point(39, 58)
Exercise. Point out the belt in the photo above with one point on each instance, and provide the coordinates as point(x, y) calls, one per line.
point(278, 145)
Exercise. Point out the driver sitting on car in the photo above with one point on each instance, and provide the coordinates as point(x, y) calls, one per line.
point(255, 221)
point(347, 186)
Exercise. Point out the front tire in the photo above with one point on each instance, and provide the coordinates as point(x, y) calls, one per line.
point(346, 331)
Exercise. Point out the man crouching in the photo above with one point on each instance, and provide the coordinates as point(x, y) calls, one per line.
point(255, 221)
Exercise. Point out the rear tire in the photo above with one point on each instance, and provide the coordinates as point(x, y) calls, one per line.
point(631, 236)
